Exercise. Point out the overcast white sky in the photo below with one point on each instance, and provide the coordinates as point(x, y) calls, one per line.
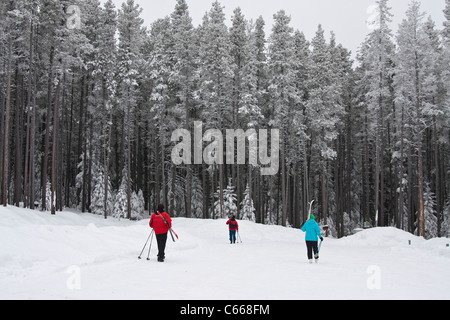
point(347, 18)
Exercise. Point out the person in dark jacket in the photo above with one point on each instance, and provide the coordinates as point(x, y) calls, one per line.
point(233, 227)
point(312, 229)
point(161, 223)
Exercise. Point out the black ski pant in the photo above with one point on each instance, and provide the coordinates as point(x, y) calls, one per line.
point(161, 239)
point(311, 246)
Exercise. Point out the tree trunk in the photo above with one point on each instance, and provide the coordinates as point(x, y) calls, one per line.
point(324, 192)
point(6, 126)
point(437, 179)
point(55, 131)
point(107, 151)
point(283, 187)
point(30, 108)
point(18, 124)
point(419, 151)
point(188, 166)
point(128, 162)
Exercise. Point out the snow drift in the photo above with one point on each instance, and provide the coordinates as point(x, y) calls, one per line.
point(83, 256)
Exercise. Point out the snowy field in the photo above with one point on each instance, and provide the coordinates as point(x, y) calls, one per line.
point(82, 256)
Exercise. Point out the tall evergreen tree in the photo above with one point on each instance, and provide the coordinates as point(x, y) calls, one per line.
point(183, 78)
point(282, 91)
point(215, 79)
point(129, 59)
point(324, 111)
point(416, 89)
point(107, 60)
point(376, 58)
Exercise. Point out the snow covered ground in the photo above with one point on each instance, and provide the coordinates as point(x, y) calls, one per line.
point(82, 256)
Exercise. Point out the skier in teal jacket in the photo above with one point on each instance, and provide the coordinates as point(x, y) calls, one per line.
point(312, 229)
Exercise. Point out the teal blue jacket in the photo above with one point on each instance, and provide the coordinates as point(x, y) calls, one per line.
point(312, 229)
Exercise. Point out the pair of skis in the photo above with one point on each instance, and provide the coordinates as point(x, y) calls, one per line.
point(173, 233)
point(170, 229)
point(310, 208)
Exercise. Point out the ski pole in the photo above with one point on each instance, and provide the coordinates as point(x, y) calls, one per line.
point(239, 236)
point(150, 247)
point(145, 244)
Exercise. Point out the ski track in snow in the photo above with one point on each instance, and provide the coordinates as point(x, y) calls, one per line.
point(41, 255)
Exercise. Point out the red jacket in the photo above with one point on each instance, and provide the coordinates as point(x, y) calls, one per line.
point(233, 225)
point(159, 224)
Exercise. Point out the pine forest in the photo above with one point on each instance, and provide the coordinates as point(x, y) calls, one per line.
point(90, 97)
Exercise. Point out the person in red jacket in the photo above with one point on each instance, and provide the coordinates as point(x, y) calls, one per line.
point(161, 223)
point(233, 227)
